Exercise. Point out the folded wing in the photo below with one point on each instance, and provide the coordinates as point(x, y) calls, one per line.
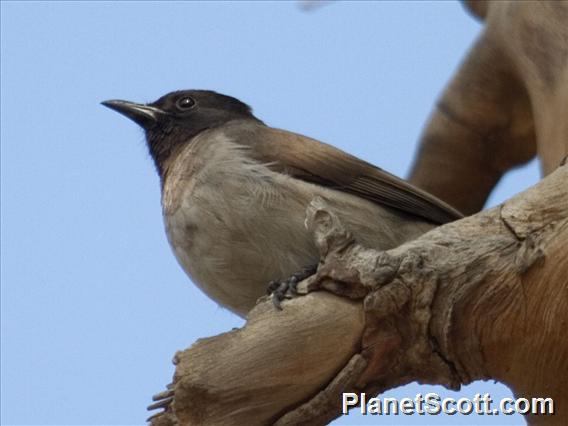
point(317, 162)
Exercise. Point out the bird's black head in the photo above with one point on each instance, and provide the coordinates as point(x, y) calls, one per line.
point(174, 119)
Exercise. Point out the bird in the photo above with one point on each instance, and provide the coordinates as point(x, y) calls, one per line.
point(234, 193)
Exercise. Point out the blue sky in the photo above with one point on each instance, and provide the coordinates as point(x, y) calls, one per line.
point(93, 302)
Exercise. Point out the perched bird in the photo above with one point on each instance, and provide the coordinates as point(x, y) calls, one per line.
point(235, 192)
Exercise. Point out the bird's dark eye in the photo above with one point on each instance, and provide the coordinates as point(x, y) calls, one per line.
point(185, 103)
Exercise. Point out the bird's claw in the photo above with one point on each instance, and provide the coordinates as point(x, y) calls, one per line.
point(286, 289)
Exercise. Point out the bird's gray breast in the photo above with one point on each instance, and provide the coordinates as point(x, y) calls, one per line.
point(234, 224)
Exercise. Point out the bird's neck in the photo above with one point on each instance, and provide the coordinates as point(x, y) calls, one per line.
point(165, 161)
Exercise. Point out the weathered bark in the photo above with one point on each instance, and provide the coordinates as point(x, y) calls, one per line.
point(482, 298)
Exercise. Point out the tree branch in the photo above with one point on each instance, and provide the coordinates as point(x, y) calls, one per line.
point(484, 297)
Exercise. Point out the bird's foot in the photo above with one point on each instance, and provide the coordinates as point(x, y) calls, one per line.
point(285, 289)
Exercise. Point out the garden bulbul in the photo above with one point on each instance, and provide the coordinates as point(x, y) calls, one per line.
point(235, 192)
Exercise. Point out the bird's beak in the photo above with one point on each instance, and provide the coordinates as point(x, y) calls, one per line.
point(145, 115)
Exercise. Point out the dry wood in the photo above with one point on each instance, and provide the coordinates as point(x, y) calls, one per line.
point(484, 297)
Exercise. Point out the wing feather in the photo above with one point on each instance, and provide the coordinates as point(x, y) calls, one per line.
point(317, 162)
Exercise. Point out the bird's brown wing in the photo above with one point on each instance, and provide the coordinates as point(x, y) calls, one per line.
point(317, 162)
